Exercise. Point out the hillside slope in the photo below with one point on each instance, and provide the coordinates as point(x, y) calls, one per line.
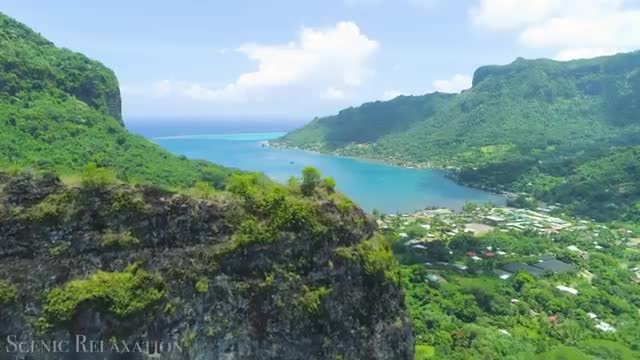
point(225, 265)
point(518, 122)
point(527, 106)
point(60, 110)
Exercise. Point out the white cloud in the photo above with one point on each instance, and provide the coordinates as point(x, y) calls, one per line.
point(571, 28)
point(456, 84)
point(320, 63)
point(585, 53)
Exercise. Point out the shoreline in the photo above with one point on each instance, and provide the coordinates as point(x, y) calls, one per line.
point(446, 171)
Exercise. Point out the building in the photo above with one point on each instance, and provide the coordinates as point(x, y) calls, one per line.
point(555, 266)
point(567, 289)
point(515, 267)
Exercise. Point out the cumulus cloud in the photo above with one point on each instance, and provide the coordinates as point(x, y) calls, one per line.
point(456, 84)
point(321, 62)
point(572, 28)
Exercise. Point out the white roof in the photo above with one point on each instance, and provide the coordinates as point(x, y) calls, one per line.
point(605, 327)
point(567, 289)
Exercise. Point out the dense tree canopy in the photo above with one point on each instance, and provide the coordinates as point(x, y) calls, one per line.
point(60, 110)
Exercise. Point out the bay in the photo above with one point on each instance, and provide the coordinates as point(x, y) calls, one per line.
point(371, 185)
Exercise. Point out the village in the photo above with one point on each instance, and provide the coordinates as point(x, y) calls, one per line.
point(429, 236)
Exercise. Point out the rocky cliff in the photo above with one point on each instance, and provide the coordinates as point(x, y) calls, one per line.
point(253, 273)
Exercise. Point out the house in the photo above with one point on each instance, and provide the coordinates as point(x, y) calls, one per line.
point(555, 266)
point(494, 220)
point(515, 267)
point(477, 229)
point(567, 289)
point(462, 267)
point(605, 327)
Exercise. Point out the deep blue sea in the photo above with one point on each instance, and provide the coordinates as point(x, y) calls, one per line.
point(240, 144)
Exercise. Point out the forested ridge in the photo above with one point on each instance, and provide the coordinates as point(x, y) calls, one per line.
point(528, 122)
point(60, 110)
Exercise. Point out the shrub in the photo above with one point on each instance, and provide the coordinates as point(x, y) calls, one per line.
point(8, 293)
point(54, 207)
point(94, 177)
point(375, 256)
point(202, 285)
point(122, 294)
point(312, 298)
point(329, 184)
point(119, 240)
point(203, 190)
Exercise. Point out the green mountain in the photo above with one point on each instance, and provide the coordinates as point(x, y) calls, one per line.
point(517, 121)
point(60, 110)
point(138, 246)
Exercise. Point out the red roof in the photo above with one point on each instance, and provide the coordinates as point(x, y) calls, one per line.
point(489, 253)
point(471, 253)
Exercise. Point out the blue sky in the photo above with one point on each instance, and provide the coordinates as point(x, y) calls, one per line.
point(299, 59)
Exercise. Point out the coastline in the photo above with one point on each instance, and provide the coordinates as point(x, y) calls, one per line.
point(448, 172)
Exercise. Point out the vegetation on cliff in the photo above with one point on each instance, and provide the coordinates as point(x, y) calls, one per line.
point(123, 294)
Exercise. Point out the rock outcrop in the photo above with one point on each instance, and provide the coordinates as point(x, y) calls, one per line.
point(140, 265)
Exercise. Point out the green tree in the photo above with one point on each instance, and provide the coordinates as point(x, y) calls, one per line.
point(311, 178)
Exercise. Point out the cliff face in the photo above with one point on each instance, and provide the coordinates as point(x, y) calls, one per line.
point(109, 261)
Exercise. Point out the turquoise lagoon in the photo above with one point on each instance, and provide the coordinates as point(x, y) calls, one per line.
point(372, 185)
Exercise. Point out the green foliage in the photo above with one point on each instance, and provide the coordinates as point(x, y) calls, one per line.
point(311, 178)
point(8, 293)
point(122, 294)
point(203, 190)
point(94, 177)
point(475, 314)
point(118, 240)
point(188, 338)
point(424, 352)
point(53, 207)
point(311, 298)
point(202, 285)
point(376, 257)
point(329, 184)
point(60, 110)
